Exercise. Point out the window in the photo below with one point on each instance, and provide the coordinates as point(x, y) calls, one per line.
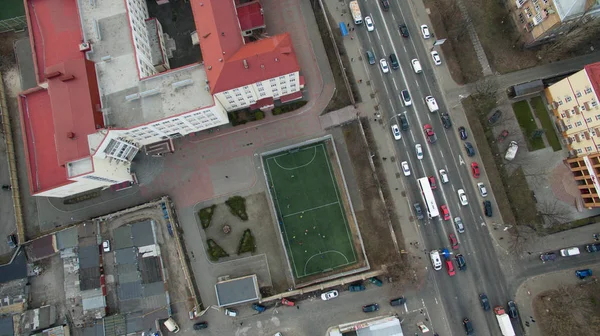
point(578, 94)
point(569, 126)
point(568, 99)
point(579, 151)
point(589, 149)
point(588, 120)
point(588, 90)
point(594, 103)
point(579, 123)
point(560, 102)
point(563, 115)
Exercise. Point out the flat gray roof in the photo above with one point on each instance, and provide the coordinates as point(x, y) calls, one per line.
point(236, 291)
point(106, 26)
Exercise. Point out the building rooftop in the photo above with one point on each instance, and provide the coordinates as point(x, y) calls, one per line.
point(231, 64)
point(568, 8)
point(250, 15)
point(17, 269)
point(127, 101)
point(593, 72)
point(236, 291)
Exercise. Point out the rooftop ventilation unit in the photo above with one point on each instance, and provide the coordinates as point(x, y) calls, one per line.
point(85, 46)
point(106, 58)
point(207, 88)
point(149, 93)
point(245, 64)
point(182, 83)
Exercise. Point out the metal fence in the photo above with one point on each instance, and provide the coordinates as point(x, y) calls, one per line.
point(12, 24)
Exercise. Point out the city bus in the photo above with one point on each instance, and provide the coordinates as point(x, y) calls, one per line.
point(430, 205)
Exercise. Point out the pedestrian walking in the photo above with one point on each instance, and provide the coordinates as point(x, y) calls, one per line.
point(348, 25)
point(352, 59)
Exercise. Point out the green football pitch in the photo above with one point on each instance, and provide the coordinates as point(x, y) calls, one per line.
point(310, 210)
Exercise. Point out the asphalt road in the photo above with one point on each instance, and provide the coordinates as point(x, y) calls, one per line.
point(459, 294)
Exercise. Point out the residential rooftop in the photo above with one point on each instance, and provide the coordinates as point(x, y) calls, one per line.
point(167, 94)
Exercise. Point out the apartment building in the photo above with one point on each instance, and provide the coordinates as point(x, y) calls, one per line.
point(541, 21)
point(575, 103)
point(106, 87)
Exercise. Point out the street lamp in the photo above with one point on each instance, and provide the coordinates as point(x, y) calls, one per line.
point(394, 116)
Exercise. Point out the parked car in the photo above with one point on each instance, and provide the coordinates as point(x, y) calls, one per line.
point(12, 241)
point(502, 136)
point(453, 241)
point(569, 252)
point(460, 261)
point(231, 312)
point(485, 303)
point(403, 30)
point(376, 281)
point(468, 326)
point(487, 208)
point(462, 196)
point(357, 287)
point(495, 117)
point(482, 189)
point(475, 169)
point(418, 211)
point(425, 31)
point(512, 309)
point(469, 148)
point(287, 302)
point(445, 212)
point(437, 60)
point(405, 168)
point(332, 294)
point(432, 182)
point(548, 256)
point(396, 132)
point(584, 273)
point(200, 325)
point(459, 225)
point(373, 307)
point(450, 267)
point(462, 132)
point(106, 246)
point(444, 176)
point(258, 307)
point(398, 301)
point(593, 247)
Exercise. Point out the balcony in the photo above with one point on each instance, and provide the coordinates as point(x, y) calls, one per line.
point(520, 3)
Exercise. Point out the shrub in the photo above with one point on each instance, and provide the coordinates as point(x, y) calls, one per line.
point(289, 107)
point(276, 110)
point(215, 252)
point(246, 243)
point(258, 115)
point(237, 206)
point(206, 215)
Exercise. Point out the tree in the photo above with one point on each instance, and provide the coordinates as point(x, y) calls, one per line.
point(553, 212)
point(453, 19)
point(580, 32)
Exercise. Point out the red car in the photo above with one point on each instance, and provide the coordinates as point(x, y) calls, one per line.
point(432, 182)
point(475, 169)
point(431, 138)
point(450, 267)
point(502, 135)
point(287, 302)
point(445, 212)
point(453, 241)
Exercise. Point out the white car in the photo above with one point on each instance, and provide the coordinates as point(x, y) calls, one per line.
point(384, 66)
point(482, 189)
point(106, 246)
point(396, 132)
point(436, 58)
point(406, 100)
point(231, 312)
point(369, 23)
point(329, 295)
point(425, 32)
point(405, 168)
point(444, 176)
point(462, 196)
point(416, 65)
point(431, 104)
point(419, 151)
point(436, 260)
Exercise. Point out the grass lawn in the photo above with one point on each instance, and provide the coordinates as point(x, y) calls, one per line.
point(541, 112)
point(310, 210)
point(527, 123)
point(11, 8)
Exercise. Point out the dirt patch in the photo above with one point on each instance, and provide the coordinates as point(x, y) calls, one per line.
point(569, 310)
point(341, 98)
point(458, 51)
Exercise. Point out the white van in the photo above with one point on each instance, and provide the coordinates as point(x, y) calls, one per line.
point(431, 104)
point(568, 252)
point(171, 325)
point(436, 260)
point(416, 65)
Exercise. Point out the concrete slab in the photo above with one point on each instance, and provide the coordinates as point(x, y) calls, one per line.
point(231, 175)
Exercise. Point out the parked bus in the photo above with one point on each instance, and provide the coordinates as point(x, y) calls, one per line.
point(430, 205)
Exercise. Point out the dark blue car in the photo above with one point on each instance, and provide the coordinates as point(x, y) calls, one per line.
point(584, 273)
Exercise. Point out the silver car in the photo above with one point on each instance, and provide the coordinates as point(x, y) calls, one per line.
point(459, 225)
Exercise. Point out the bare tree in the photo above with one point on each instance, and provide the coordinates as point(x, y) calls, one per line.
point(520, 237)
point(580, 32)
point(553, 212)
point(454, 21)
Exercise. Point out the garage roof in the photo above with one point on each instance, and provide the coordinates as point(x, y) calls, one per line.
point(236, 291)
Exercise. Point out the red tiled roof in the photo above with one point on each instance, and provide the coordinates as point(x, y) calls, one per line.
point(250, 15)
point(291, 96)
point(224, 52)
point(593, 72)
point(58, 119)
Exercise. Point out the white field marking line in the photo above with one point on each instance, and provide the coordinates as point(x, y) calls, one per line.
point(309, 274)
point(346, 224)
point(304, 165)
point(317, 254)
point(282, 221)
point(443, 227)
point(311, 209)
